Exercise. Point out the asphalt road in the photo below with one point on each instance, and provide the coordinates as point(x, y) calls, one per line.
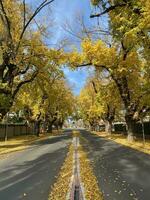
point(122, 173)
point(29, 174)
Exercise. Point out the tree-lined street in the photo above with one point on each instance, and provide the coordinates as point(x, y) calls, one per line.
point(122, 173)
point(70, 65)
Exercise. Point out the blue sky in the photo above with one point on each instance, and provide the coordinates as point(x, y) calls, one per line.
point(62, 11)
point(66, 10)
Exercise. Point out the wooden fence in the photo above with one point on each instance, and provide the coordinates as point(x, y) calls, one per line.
point(121, 128)
point(138, 129)
point(12, 130)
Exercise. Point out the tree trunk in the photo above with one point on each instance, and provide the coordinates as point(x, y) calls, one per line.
point(37, 127)
point(108, 127)
point(45, 126)
point(91, 126)
point(130, 128)
point(50, 128)
point(4, 111)
point(60, 124)
point(6, 136)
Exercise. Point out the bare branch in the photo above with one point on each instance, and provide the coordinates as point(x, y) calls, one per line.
point(97, 66)
point(37, 10)
point(84, 28)
point(99, 31)
point(69, 30)
point(125, 50)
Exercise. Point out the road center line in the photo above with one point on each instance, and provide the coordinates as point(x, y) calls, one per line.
point(76, 189)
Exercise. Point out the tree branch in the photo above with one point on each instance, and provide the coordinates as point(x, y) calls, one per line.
point(84, 65)
point(23, 83)
point(37, 10)
point(94, 87)
point(4, 91)
point(25, 70)
point(108, 10)
point(6, 18)
point(24, 13)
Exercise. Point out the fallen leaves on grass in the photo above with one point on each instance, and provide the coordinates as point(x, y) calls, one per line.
point(19, 143)
point(16, 143)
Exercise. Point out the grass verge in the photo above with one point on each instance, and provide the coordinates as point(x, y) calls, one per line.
point(122, 139)
point(16, 144)
point(19, 143)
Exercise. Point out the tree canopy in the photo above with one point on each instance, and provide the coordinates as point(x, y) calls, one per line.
point(30, 70)
point(125, 61)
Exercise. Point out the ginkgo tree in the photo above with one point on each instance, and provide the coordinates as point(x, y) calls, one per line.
point(59, 104)
point(49, 98)
point(103, 105)
point(126, 58)
point(22, 51)
point(129, 24)
point(128, 19)
point(107, 97)
point(89, 110)
point(126, 69)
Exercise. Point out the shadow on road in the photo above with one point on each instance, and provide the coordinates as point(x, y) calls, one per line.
point(29, 174)
point(32, 179)
point(123, 173)
point(51, 140)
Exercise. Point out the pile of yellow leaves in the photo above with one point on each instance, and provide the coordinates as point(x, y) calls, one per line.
point(76, 133)
point(60, 189)
point(88, 178)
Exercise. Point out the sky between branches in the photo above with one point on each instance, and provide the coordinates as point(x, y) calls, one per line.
point(60, 12)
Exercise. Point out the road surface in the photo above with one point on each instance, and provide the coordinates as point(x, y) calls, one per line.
point(122, 173)
point(29, 174)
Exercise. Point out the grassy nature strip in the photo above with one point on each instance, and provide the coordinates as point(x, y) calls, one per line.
point(88, 178)
point(19, 143)
point(16, 144)
point(60, 189)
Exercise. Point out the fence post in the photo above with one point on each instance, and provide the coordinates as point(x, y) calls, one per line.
point(6, 128)
point(143, 131)
point(26, 128)
point(14, 130)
